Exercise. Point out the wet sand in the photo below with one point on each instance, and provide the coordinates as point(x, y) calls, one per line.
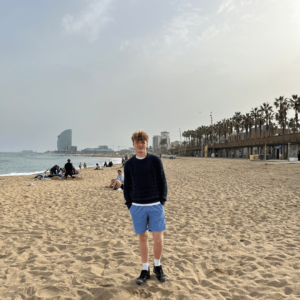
point(232, 233)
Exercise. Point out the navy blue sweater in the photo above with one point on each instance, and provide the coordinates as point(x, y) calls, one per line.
point(145, 181)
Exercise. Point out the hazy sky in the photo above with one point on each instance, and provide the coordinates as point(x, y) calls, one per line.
point(109, 67)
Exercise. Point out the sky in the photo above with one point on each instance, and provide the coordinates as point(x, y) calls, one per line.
point(109, 67)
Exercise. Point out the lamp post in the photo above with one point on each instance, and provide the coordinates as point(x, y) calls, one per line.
point(212, 132)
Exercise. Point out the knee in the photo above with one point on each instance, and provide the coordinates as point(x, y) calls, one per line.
point(143, 237)
point(158, 241)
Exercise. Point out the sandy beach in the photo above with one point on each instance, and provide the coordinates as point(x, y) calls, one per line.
point(232, 233)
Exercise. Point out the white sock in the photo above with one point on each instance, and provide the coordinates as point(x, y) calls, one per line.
point(145, 266)
point(156, 262)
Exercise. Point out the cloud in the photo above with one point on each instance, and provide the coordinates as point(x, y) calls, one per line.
point(226, 5)
point(230, 5)
point(91, 21)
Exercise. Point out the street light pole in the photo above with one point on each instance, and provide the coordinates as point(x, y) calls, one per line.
point(212, 132)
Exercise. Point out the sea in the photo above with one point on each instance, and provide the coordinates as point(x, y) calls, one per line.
point(17, 164)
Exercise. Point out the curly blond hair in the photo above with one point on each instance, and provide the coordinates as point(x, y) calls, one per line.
point(140, 135)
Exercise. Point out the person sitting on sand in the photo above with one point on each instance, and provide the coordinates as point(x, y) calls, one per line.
point(97, 167)
point(110, 164)
point(75, 172)
point(118, 182)
point(54, 170)
point(105, 165)
point(84, 165)
point(42, 176)
point(69, 169)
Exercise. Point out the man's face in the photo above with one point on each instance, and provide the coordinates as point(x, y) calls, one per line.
point(140, 146)
point(119, 172)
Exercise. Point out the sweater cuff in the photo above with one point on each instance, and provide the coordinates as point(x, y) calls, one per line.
point(128, 204)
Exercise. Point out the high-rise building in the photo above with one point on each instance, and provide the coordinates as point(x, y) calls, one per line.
point(156, 142)
point(157, 139)
point(64, 140)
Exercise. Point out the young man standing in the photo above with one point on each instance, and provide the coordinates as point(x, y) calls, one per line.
point(145, 192)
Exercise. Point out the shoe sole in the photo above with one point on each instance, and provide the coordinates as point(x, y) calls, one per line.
point(160, 280)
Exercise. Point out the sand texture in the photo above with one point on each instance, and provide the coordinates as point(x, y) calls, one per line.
point(232, 233)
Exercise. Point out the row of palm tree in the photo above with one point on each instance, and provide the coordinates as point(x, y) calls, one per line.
point(258, 117)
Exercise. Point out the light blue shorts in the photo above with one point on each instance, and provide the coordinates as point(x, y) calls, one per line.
point(150, 218)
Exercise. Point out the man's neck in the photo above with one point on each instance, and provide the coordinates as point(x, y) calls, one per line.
point(143, 154)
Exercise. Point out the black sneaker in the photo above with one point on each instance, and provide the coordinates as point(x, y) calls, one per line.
point(158, 271)
point(143, 277)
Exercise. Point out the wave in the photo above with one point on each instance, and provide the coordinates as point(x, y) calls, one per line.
point(39, 172)
point(23, 174)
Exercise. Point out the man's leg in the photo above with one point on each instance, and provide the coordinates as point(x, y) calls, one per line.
point(158, 244)
point(157, 224)
point(139, 219)
point(143, 243)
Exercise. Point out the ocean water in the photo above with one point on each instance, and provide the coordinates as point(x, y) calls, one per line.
point(16, 164)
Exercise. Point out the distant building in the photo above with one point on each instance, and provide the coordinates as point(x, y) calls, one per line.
point(99, 150)
point(157, 139)
point(175, 144)
point(165, 135)
point(72, 149)
point(156, 142)
point(64, 140)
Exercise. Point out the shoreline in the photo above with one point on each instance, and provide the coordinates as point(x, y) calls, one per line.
point(41, 172)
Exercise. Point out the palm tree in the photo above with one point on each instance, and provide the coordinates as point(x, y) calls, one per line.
point(218, 129)
point(295, 104)
point(254, 113)
point(273, 128)
point(283, 106)
point(266, 109)
point(231, 124)
point(224, 128)
point(292, 125)
point(250, 122)
point(237, 122)
point(261, 121)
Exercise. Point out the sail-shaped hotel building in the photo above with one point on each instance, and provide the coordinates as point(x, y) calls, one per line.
point(64, 140)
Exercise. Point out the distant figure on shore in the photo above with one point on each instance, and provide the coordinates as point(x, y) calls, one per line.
point(84, 165)
point(80, 166)
point(110, 164)
point(54, 170)
point(118, 182)
point(69, 169)
point(105, 164)
point(97, 167)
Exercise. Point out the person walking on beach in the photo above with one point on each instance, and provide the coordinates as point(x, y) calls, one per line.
point(145, 193)
point(68, 169)
point(80, 166)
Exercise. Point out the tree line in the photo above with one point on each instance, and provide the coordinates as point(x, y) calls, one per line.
point(273, 120)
